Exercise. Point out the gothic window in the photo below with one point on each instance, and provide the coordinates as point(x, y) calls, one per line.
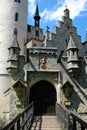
point(16, 17)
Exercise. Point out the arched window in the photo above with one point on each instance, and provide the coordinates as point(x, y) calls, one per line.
point(16, 17)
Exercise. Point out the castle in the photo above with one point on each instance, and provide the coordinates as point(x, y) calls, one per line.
point(44, 69)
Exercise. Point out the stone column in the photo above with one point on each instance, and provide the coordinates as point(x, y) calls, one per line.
point(59, 93)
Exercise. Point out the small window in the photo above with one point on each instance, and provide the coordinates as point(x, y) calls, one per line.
point(16, 17)
point(29, 28)
point(14, 51)
point(15, 0)
point(73, 52)
point(27, 54)
point(34, 44)
point(37, 33)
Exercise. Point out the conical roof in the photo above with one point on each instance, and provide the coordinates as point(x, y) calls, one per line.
point(71, 44)
point(15, 43)
point(37, 16)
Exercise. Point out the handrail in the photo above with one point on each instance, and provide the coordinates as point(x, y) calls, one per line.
point(63, 115)
point(78, 121)
point(22, 121)
point(70, 120)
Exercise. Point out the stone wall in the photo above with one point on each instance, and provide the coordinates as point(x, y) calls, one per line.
point(42, 59)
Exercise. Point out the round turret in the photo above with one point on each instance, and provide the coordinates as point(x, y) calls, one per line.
point(13, 15)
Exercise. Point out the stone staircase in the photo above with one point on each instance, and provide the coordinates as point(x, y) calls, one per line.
point(46, 122)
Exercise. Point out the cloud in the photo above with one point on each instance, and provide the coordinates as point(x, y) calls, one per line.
point(55, 13)
point(31, 7)
point(76, 6)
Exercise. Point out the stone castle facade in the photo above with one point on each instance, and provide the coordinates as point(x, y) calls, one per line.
point(29, 59)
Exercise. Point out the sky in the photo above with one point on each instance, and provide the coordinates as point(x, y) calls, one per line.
point(52, 10)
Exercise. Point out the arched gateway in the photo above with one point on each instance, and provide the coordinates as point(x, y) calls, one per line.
point(44, 96)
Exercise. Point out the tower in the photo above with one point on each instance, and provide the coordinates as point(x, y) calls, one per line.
point(72, 57)
point(13, 15)
point(37, 22)
point(66, 13)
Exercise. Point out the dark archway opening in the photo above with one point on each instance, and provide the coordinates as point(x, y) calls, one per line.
point(44, 96)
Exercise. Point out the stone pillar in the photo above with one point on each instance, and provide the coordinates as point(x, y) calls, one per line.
point(59, 93)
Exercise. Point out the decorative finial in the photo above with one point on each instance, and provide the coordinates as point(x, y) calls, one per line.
point(66, 5)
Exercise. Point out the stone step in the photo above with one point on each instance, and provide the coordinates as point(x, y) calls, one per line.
point(46, 123)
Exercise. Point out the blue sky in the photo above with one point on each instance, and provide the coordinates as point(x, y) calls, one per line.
point(52, 10)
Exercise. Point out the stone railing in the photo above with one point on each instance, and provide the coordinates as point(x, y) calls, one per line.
point(63, 116)
point(22, 121)
point(70, 120)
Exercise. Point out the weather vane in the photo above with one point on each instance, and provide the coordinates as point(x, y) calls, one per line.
point(66, 5)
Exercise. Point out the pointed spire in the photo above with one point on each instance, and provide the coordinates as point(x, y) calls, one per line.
point(71, 43)
point(37, 11)
point(37, 16)
point(37, 22)
point(15, 41)
point(66, 5)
